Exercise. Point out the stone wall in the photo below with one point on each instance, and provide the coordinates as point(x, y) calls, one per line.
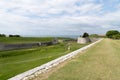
point(28, 75)
point(94, 39)
point(24, 45)
point(81, 40)
point(17, 46)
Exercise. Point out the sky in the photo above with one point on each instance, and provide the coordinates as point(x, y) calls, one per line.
point(59, 17)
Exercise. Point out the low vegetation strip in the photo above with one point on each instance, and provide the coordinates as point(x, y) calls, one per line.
point(38, 70)
point(100, 62)
point(9, 40)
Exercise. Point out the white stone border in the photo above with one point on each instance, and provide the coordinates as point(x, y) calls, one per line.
point(43, 68)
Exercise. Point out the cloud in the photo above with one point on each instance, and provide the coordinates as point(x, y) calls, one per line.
point(45, 17)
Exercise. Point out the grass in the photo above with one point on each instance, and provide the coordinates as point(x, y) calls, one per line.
point(9, 40)
point(17, 61)
point(24, 39)
point(100, 62)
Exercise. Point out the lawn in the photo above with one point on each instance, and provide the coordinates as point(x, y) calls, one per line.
point(17, 61)
point(100, 62)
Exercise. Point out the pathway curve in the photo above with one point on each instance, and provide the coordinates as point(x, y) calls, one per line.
point(100, 62)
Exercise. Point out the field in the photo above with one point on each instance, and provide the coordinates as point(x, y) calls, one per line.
point(24, 39)
point(100, 62)
point(17, 61)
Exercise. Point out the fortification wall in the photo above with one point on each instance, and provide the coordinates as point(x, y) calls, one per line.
point(94, 39)
point(81, 40)
point(17, 46)
point(24, 45)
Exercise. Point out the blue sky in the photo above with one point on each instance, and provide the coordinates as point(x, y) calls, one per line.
point(59, 17)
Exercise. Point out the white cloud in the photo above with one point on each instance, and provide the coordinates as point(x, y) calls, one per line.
point(87, 8)
point(56, 16)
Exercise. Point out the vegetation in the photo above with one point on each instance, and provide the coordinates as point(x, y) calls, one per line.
point(14, 35)
point(100, 62)
point(85, 35)
point(2, 35)
point(17, 61)
point(113, 34)
point(117, 36)
point(97, 36)
point(31, 39)
point(24, 39)
point(94, 35)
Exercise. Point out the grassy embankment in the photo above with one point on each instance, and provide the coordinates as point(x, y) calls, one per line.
point(17, 61)
point(100, 62)
point(24, 39)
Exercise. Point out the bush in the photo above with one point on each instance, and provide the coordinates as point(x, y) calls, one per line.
point(2, 35)
point(110, 33)
point(85, 35)
point(113, 34)
point(14, 35)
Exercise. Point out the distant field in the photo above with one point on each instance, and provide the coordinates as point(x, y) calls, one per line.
point(18, 61)
point(28, 39)
point(100, 62)
point(24, 39)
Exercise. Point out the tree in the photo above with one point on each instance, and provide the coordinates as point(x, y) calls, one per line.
point(14, 36)
point(111, 33)
point(10, 35)
point(2, 35)
point(85, 35)
point(117, 36)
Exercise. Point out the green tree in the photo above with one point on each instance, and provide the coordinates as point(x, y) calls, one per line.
point(14, 35)
point(111, 33)
point(2, 35)
point(117, 36)
point(85, 35)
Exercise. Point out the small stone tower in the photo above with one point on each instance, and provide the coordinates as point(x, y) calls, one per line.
point(81, 40)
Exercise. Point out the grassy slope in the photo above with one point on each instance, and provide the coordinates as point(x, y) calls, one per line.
point(101, 62)
point(24, 39)
point(18, 61)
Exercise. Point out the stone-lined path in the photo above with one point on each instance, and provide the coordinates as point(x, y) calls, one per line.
point(100, 62)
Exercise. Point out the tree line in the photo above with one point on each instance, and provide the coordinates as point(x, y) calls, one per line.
point(3, 35)
point(112, 34)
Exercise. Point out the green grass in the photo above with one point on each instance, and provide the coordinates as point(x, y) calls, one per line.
point(17, 61)
point(100, 62)
point(9, 40)
point(24, 39)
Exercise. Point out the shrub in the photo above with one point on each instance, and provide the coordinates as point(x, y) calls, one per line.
point(2, 35)
point(14, 35)
point(111, 33)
